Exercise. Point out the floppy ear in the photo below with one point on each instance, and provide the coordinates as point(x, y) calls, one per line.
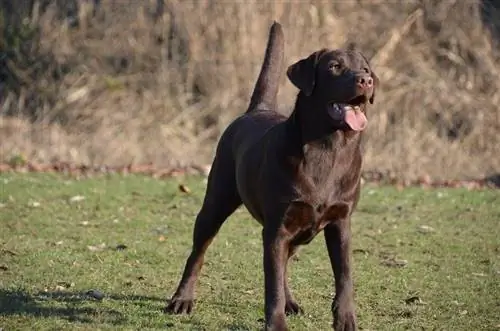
point(302, 74)
point(375, 85)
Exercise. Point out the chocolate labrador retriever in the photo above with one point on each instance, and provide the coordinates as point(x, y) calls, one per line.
point(296, 176)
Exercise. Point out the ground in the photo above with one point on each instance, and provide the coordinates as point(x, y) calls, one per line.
point(424, 259)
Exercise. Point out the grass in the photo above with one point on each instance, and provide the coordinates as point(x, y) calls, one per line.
point(51, 255)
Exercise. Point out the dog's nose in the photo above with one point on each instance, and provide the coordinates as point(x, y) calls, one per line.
point(364, 81)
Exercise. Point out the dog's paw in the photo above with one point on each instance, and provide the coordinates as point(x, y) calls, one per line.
point(179, 306)
point(293, 308)
point(344, 317)
point(277, 324)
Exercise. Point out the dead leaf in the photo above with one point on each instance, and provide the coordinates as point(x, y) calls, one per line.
point(425, 229)
point(65, 284)
point(34, 204)
point(59, 288)
point(463, 312)
point(414, 300)
point(395, 263)
point(77, 198)
point(184, 189)
point(161, 238)
point(8, 251)
point(97, 248)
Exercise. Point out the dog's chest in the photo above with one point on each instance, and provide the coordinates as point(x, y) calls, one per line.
point(326, 174)
point(303, 220)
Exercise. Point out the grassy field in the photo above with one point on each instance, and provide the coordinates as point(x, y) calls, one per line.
point(424, 259)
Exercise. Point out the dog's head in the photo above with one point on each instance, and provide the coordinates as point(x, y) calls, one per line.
point(340, 81)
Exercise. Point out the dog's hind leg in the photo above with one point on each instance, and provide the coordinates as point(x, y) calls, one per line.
point(221, 200)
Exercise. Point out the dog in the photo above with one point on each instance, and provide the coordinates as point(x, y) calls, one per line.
point(296, 175)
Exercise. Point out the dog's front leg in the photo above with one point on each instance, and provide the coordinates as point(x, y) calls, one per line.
point(338, 242)
point(275, 257)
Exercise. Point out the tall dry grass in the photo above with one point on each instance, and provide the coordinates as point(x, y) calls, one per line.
point(153, 81)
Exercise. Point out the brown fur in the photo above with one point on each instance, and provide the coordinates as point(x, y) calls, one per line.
point(296, 176)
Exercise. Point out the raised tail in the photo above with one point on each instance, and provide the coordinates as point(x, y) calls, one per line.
point(266, 89)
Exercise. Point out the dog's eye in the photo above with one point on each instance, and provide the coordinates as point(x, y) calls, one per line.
point(335, 66)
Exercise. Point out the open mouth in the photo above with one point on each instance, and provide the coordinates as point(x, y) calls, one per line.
point(357, 101)
point(350, 113)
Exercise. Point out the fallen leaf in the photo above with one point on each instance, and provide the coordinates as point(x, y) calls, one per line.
point(96, 248)
point(34, 204)
point(184, 189)
point(463, 312)
point(425, 229)
point(85, 223)
point(414, 300)
point(8, 251)
point(396, 263)
point(65, 284)
point(77, 198)
point(161, 238)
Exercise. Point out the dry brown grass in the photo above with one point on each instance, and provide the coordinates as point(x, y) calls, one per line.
point(133, 85)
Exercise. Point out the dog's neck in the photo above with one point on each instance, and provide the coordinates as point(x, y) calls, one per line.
point(316, 149)
point(311, 128)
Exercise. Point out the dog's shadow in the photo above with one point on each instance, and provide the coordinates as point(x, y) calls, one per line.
point(80, 307)
point(70, 306)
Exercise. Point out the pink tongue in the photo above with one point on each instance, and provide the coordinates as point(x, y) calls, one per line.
point(355, 119)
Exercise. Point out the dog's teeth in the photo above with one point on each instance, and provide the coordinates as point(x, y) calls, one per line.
point(334, 106)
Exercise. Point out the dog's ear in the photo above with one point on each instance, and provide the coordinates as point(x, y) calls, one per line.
point(376, 82)
point(302, 74)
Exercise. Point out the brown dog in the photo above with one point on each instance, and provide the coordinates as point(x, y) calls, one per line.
point(296, 176)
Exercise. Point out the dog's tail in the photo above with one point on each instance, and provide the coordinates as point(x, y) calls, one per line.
point(266, 89)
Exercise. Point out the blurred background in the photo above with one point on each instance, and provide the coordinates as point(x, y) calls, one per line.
point(118, 82)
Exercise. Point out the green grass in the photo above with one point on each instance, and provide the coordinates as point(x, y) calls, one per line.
point(46, 266)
